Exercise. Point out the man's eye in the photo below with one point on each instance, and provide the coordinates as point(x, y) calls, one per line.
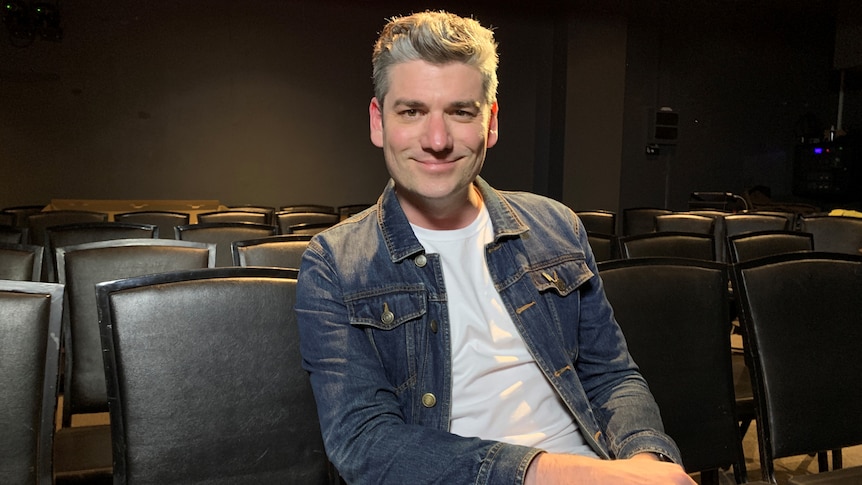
point(410, 113)
point(461, 113)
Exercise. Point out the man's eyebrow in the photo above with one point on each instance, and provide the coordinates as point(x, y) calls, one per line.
point(465, 104)
point(408, 103)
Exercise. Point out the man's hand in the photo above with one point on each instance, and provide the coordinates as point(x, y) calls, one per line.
point(642, 469)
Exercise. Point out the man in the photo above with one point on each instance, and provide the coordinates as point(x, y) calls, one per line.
point(458, 334)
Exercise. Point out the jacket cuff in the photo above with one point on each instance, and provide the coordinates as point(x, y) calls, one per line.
point(506, 464)
point(650, 442)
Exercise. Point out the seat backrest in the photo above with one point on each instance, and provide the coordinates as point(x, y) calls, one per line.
point(752, 222)
point(183, 345)
point(719, 231)
point(641, 220)
point(287, 219)
point(165, 220)
point(269, 211)
point(802, 318)
point(80, 267)
point(754, 245)
point(234, 215)
point(21, 262)
point(12, 235)
point(22, 213)
point(80, 233)
point(345, 211)
point(674, 315)
point(308, 208)
point(599, 221)
point(29, 364)
point(840, 234)
point(605, 246)
point(681, 222)
point(283, 251)
point(668, 244)
point(39, 221)
point(223, 234)
point(791, 217)
point(309, 228)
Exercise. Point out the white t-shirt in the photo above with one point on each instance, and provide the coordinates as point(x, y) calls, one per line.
point(498, 391)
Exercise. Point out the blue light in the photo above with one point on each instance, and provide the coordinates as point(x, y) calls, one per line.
point(818, 151)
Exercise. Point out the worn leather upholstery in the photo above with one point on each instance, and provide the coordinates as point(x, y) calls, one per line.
point(223, 234)
point(30, 342)
point(283, 251)
point(802, 317)
point(20, 262)
point(80, 268)
point(205, 380)
point(674, 313)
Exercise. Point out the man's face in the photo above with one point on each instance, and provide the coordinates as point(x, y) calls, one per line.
point(434, 128)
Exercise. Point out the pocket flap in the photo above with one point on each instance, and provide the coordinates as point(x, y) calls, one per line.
point(387, 308)
point(562, 277)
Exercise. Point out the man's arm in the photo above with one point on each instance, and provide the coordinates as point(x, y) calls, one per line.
point(641, 469)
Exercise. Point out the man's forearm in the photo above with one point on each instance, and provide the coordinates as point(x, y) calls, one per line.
point(641, 469)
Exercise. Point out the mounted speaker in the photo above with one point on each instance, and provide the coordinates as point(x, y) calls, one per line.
point(664, 126)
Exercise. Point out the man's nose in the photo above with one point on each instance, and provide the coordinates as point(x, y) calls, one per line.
point(437, 137)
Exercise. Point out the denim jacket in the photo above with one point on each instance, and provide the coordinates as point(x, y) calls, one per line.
point(374, 336)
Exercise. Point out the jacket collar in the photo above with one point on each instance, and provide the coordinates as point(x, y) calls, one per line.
point(399, 237)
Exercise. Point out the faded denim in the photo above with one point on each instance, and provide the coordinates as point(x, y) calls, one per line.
point(374, 335)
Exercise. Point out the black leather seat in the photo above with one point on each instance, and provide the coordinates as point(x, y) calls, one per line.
point(13, 235)
point(268, 210)
point(81, 267)
point(205, 380)
point(599, 221)
point(223, 234)
point(29, 329)
point(283, 251)
point(286, 220)
point(802, 317)
point(668, 244)
point(235, 215)
point(754, 245)
point(80, 233)
point(605, 246)
point(840, 234)
point(39, 222)
point(641, 220)
point(674, 313)
point(165, 220)
point(21, 262)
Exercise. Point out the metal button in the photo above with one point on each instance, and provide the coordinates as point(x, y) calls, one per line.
point(434, 326)
point(429, 400)
point(420, 261)
point(387, 316)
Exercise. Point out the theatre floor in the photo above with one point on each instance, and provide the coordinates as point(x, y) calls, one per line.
point(784, 467)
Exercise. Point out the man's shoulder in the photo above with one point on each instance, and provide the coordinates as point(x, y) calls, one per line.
point(527, 202)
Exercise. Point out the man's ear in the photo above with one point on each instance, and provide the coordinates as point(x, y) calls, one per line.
point(375, 119)
point(493, 131)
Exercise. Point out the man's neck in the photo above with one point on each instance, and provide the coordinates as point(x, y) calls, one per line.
point(443, 216)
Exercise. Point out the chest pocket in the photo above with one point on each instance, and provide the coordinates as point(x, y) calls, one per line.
point(562, 277)
point(388, 308)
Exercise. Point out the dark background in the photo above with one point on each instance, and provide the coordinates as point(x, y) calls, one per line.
point(265, 102)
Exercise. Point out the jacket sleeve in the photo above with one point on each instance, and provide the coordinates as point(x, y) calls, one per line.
point(364, 430)
point(619, 395)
